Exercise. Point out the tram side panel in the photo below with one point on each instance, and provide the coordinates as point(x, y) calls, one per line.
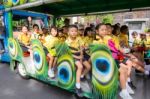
point(104, 70)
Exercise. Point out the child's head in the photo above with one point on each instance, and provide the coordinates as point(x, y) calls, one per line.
point(24, 29)
point(143, 36)
point(54, 31)
point(45, 30)
point(116, 30)
point(134, 34)
point(124, 29)
point(60, 32)
point(65, 29)
point(81, 30)
point(109, 28)
point(73, 31)
point(88, 31)
point(101, 29)
point(36, 28)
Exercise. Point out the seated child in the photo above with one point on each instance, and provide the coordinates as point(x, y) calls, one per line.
point(62, 37)
point(76, 45)
point(50, 45)
point(136, 40)
point(24, 37)
point(88, 39)
point(43, 35)
point(36, 32)
point(123, 65)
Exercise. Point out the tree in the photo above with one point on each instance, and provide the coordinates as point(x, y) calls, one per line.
point(60, 22)
point(108, 19)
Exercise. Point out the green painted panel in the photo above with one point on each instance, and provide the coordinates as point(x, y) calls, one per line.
point(104, 73)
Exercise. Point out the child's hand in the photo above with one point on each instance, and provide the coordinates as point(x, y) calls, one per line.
point(82, 48)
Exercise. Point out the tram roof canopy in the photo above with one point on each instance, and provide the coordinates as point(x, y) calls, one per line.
point(67, 7)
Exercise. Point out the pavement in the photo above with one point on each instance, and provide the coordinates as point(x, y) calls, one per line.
point(12, 86)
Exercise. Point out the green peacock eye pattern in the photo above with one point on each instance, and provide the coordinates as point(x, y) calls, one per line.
point(7, 3)
point(39, 57)
point(104, 73)
point(10, 3)
point(15, 2)
point(66, 72)
point(66, 68)
point(23, 1)
point(13, 48)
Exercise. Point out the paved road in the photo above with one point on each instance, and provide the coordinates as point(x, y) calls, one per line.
point(14, 87)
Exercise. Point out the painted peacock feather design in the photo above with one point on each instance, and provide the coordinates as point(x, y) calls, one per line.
point(66, 68)
point(104, 73)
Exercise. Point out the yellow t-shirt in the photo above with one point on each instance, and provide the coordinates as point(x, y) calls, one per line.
point(43, 38)
point(50, 43)
point(136, 42)
point(143, 43)
point(47, 38)
point(35, 35)
point(115, 40)
point(100, 41)
point(24, 38)
point(77, 43)
point(87, 40)
point(81, 37)
point(105, 40)
point(97, 37)
point(65, 34)
point(123, 39)
point(148, 42)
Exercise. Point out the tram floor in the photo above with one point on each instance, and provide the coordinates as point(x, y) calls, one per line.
point(14, 87)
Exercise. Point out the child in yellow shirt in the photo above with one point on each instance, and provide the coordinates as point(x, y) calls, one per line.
point(43, 36)
point(76, 46)
point(88, 39)
point(123, 37)
point(88, 36)
point(143, 42)
point(36, 32)
point(136, 41)
point(106, 39)
point(50, 45)
point(113, 37)
point(24, 37)
point(62, 37)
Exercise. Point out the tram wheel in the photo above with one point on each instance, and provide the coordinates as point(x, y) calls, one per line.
point(22, 71)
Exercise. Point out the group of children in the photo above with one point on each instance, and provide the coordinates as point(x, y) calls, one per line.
point(78, 40)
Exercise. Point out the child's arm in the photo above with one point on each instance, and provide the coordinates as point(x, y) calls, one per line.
point(73, 51)
point(19, 38)
point(77, 57)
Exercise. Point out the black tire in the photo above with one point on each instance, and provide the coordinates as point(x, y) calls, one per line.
point(77, 97)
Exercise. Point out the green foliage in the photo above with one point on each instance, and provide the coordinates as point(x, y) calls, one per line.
point(60, 22)
point(103, 18)
point(108, 19)
point(146, 30)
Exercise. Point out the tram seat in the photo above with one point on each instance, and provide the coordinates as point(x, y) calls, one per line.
point(26, 53)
